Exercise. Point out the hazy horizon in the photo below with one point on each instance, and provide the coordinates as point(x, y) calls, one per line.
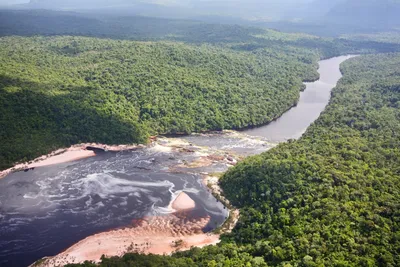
point(165, 2)
point(13, 2)
point(249, 9)
point(368, 13)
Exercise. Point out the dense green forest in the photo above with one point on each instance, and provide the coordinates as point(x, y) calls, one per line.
point(320, 17)
point(177, 77)
point(328, 199)
point(57, 91)
point(332, 197)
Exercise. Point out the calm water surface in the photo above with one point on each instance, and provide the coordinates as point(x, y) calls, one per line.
point(292, 124)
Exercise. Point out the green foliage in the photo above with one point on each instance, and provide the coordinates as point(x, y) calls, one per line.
point(57, 91)
point(50, 23)
point(137, 260)
point(328, 199)
point(331, 198)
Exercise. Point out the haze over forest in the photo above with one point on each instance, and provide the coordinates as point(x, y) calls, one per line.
point(366, 12)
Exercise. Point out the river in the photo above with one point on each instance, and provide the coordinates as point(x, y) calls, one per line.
point(47, 210)
point(313, 101)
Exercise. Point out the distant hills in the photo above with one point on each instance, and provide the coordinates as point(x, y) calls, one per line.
point(250, 9)
point(320, 17)
point(338, 17)
point(336, 11)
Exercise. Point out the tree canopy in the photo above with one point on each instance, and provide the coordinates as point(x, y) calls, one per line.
point(328, 199)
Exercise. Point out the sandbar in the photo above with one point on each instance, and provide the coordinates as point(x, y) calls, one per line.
point(183, 202)
point(73, 153)
point(156, 235)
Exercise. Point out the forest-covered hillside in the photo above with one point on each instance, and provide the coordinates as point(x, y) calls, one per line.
point(328, 199)
point(332, 197)
point(58, 91)
point(382, 14)
point(182, 76)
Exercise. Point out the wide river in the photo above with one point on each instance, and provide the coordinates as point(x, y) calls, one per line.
point(44, 211)
point(313, 101)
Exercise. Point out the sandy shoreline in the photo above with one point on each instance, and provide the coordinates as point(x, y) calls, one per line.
point(75, 152)
point(157, 235)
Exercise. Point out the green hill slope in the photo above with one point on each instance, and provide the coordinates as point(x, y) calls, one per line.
point(58, 91)
point(184, 76)
point(331, 198)
point(328, 199)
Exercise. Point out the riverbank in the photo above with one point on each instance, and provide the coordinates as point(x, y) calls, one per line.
point(157, 235)
point(179, 230)
point(73, 153)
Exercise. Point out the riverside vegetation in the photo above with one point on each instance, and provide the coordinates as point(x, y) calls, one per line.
point(58, 91)
point(329, 199)
point(180, 77)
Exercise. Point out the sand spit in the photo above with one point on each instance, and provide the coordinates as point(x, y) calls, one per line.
point(73, 153)
point(156, 235)
point(183, 202)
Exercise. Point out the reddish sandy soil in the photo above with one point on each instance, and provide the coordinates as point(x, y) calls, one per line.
point(156, 235)
point(183, 202)
point(73, 153)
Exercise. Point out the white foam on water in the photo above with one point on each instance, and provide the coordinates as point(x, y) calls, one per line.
point(19, 221)
point(89, 201)
point(161, 210)
point(136, 194)
point(37, 217)
point(107, 185)
point(154, 200)
point(191, 190)
point(160, 149)
point(156, 210)
point(30, 195)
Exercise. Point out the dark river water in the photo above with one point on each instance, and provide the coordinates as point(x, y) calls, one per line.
point(313, 101)
point(44, 211)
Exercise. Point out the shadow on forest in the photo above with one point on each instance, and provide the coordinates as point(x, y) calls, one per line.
point(34, 123)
